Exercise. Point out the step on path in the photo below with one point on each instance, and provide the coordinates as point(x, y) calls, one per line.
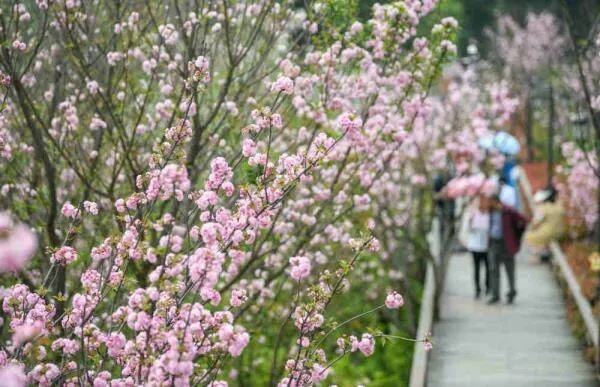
point(528, 343)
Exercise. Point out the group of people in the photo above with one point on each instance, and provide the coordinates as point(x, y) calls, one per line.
point(495, 227)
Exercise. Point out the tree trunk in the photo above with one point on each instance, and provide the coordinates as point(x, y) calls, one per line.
point(551, 114)
point(529, 127)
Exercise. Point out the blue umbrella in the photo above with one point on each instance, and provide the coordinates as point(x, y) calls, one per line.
point(506, 143)
point(502, 142)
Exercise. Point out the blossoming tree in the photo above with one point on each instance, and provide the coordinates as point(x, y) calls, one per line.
point(203, 180)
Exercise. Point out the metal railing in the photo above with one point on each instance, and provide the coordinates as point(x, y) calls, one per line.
point(572, 285)
point(418, 372)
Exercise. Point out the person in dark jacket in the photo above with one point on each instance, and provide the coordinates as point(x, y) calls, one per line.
point(445, 206)
point(507, 226)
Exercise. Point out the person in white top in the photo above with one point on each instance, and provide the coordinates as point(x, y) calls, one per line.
point(508, 194)
point(477, 240)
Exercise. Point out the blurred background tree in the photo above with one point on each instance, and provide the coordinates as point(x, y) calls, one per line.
point(475, 16)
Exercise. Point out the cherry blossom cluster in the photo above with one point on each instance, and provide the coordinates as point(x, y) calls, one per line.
point(578, 184)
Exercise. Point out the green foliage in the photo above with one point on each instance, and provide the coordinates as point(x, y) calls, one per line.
point(390, 363)
point(336, 17)
point(365, 8)
point(250, 173)
point(445, 8)
point(388, 366)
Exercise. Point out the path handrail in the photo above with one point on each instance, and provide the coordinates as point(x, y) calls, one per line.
point(418, 371)
point(583, 305)
point(560, 261)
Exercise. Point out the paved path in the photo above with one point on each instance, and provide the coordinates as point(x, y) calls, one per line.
point(525, 344)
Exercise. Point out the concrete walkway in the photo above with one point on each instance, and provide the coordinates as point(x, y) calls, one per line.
point(525, 344)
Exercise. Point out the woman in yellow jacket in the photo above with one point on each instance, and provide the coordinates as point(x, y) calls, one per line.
point(548, 223)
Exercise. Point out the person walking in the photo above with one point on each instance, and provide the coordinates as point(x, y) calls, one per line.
point(548, 223)
point(445, 206)
point(477, 240)
point(506, 229)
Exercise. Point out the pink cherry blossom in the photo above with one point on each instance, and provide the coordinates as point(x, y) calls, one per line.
point(18, 244)
point(300, 268)
point(64, 255)
point(12, 376)
point(394, 300)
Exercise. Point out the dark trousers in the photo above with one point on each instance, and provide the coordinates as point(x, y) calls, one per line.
point(499, 256)
point(478, 259)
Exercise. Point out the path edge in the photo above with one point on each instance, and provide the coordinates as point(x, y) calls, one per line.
point(420, 360)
